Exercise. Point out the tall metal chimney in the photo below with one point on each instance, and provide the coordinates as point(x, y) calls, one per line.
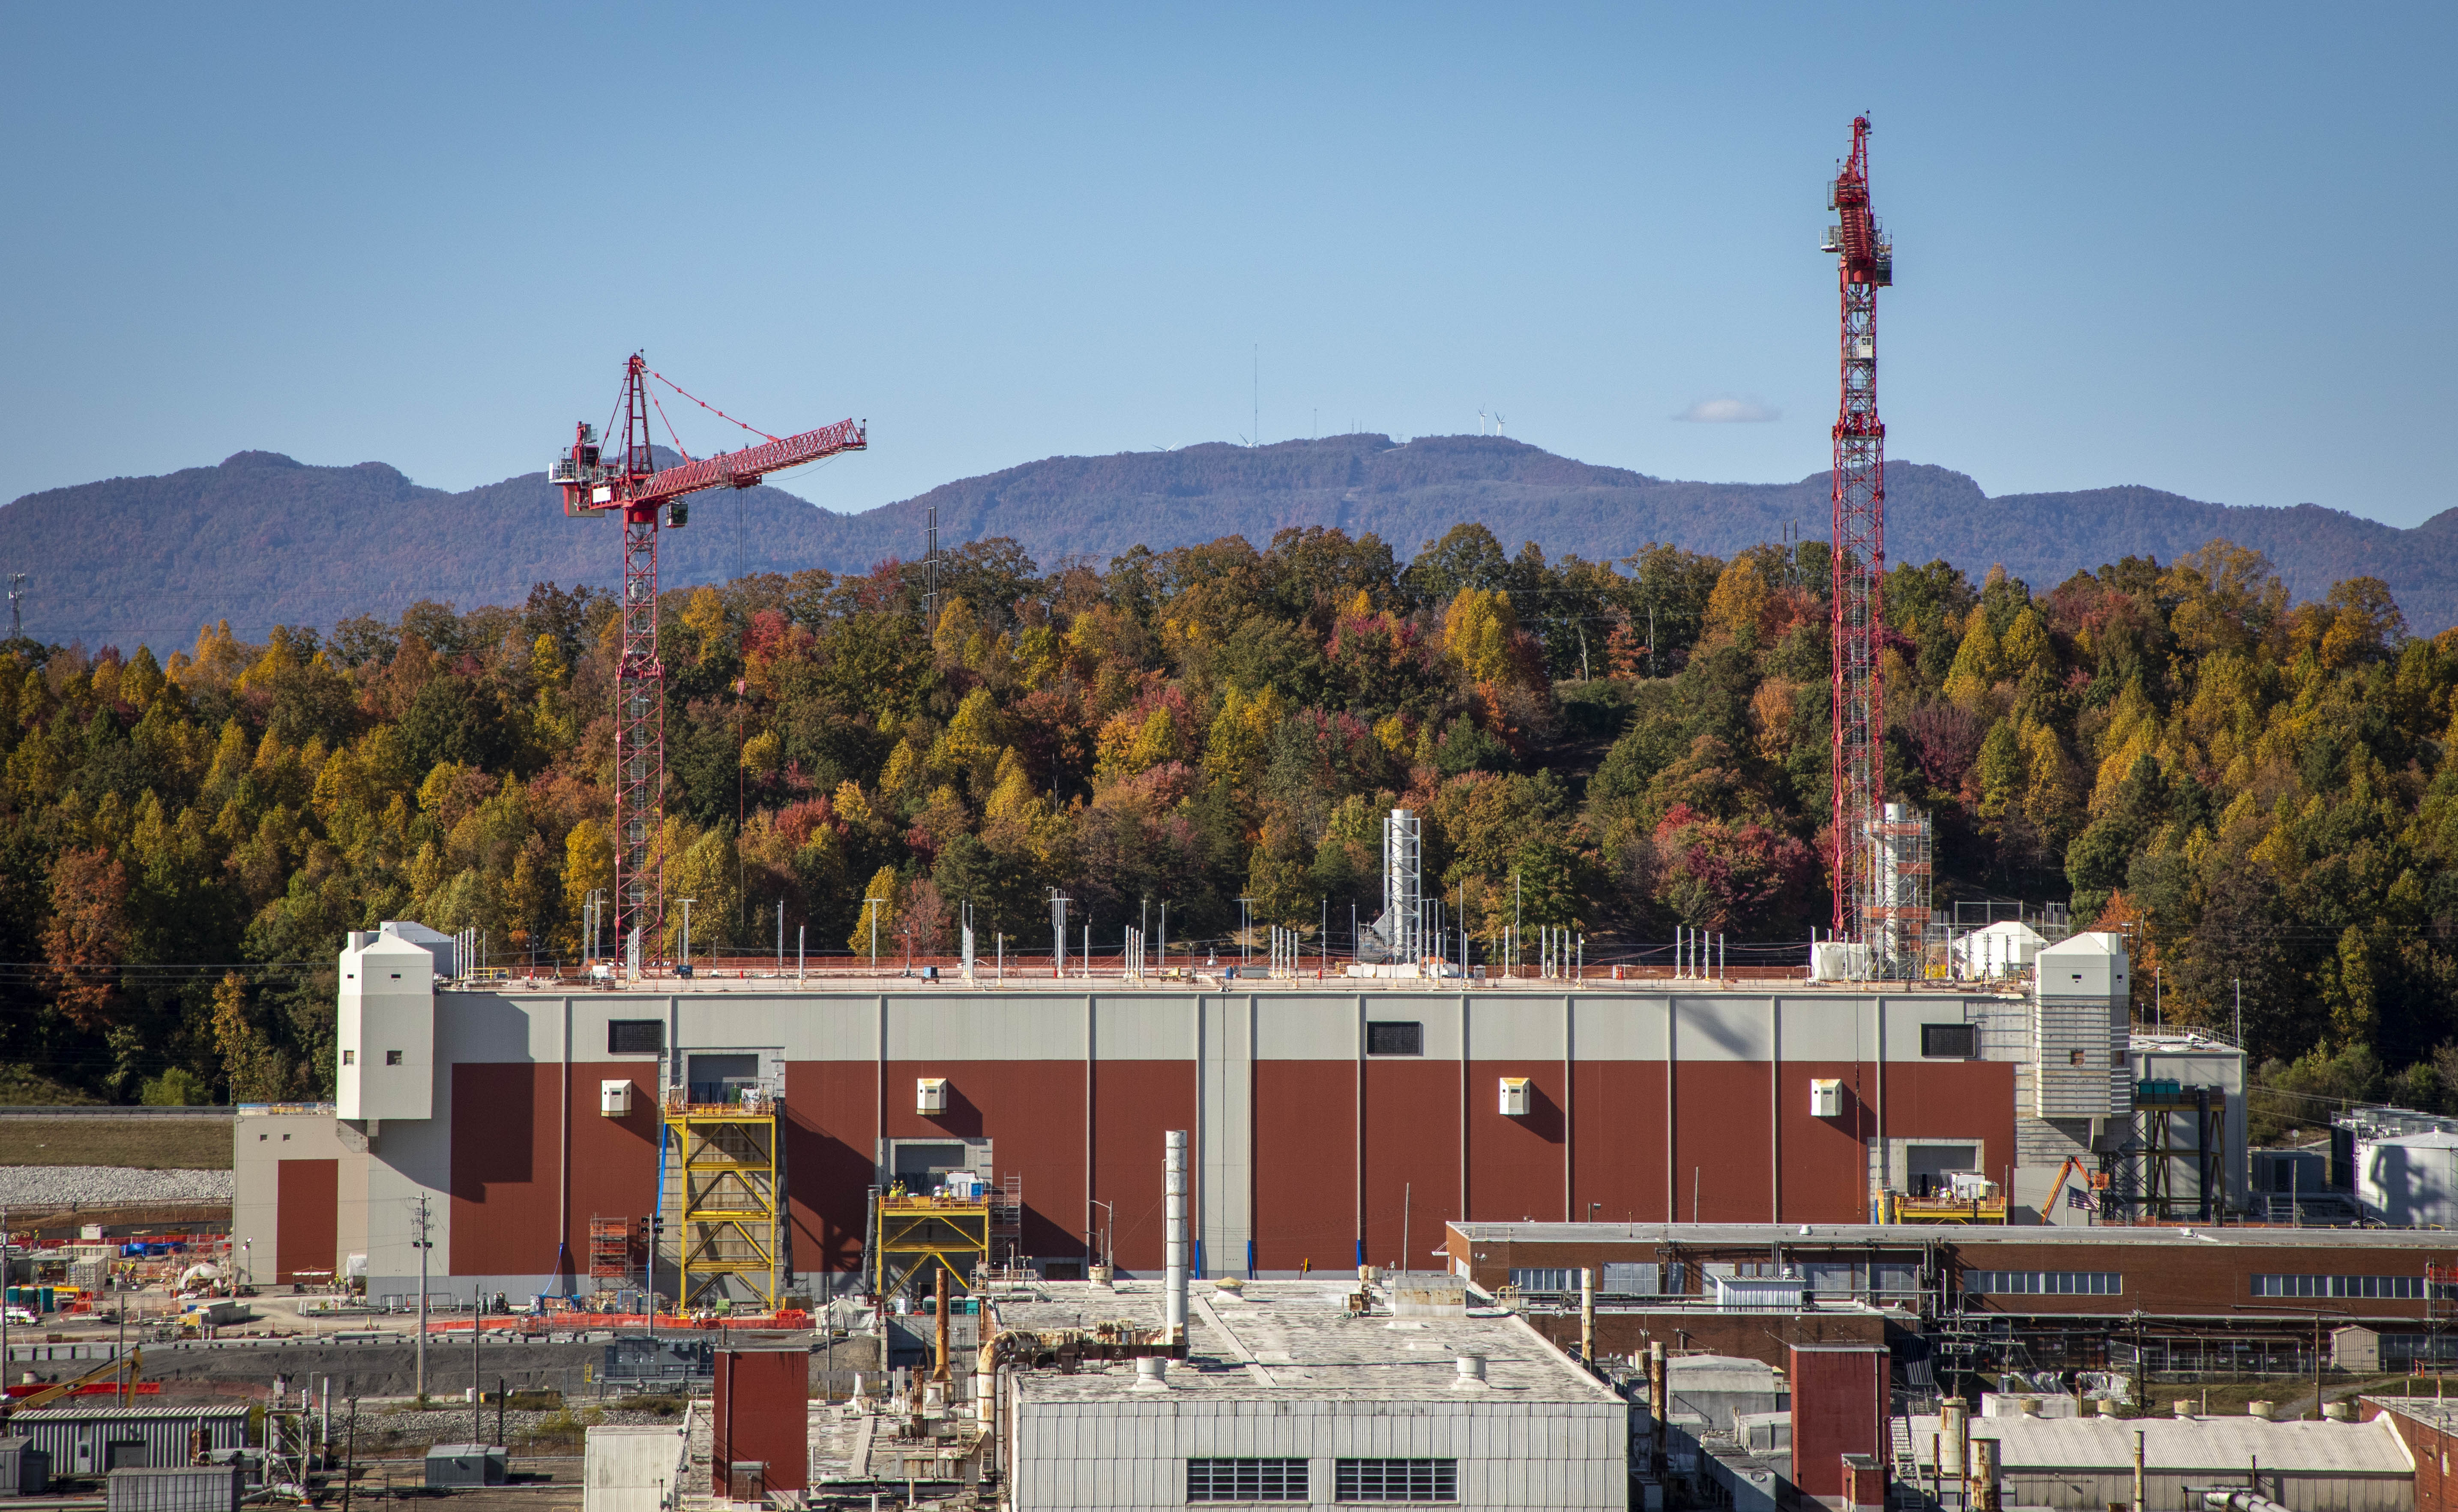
point(1174, 1194)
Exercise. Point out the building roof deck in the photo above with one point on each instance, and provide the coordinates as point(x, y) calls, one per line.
point(767, 982)
point(2216, 1446)
point(1285, 1339)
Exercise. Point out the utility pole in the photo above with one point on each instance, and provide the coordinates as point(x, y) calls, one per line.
point(477, 1382)
point(871, 906)
point(1058, 902)
point(424, 1244)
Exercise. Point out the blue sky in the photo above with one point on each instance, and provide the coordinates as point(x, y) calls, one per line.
point(2203, 248)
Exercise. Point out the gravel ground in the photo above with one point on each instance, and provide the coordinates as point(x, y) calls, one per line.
point(448, 1425)
point(101, 1186)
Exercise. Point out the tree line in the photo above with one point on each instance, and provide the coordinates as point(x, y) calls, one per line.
point(2254, 789)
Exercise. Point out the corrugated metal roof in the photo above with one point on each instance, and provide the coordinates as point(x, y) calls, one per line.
point(2192, 1445)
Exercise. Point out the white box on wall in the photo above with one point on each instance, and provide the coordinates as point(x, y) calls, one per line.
point(1515, 1094)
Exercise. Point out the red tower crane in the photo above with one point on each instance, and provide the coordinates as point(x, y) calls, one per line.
point(630, 484)
point(1864, 264)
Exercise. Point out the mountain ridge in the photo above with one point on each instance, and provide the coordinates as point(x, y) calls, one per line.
point(261, 538)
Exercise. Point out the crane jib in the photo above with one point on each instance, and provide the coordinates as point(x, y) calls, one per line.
point(741, 469)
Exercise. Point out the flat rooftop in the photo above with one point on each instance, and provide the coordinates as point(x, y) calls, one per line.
point(2217, 1447)
point(766, 983)
point(1283, 1339)
point(1903, 1236)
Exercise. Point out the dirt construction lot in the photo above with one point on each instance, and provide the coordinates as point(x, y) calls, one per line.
point(142, 1144)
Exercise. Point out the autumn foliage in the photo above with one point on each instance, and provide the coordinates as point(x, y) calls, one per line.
point(2256, 788)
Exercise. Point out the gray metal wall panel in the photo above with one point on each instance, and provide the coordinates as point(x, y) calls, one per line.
point(1305, 1028)
point(1516, 1028)
point(1015, 1028)
point(1722, 1029)
point(1617, 1027)
point(1820, 1028)
point(1144, 1029)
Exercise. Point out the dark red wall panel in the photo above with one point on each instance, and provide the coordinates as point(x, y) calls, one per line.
point(309, 1197)
point(1722, 1123)
point(831, 1138)
point(1617, 1140)
point(1033, 1113)
point(1412, 1149)
point(1514, 1164)
point(614, 1160)
point(763, 1412)
point(1134, 1104)
point(1955, 1100)
point(1838, 1407)
point(503, 1160)
point(1826, 1161)
point(1306, 1165)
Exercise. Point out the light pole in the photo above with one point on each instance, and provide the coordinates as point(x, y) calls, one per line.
point(870, 905)
point(686, 941)
point(1245, 921)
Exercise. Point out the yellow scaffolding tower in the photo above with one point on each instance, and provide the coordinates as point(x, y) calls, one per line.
point(728, 1212)
point(916, 1233)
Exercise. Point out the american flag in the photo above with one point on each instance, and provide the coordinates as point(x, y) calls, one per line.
point(2079, 1198)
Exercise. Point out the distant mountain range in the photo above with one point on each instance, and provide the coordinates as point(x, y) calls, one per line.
point(263, 539)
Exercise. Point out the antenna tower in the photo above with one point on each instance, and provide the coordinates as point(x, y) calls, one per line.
point(16, 594)
point(1864, 264)
point(629, 485)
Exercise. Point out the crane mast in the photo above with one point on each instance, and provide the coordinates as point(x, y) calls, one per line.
point(1865, 909)
point(631, 487)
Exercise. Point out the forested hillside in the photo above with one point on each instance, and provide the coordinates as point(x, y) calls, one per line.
point(2258, 786)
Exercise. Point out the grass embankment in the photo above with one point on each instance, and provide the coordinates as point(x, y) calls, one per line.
point(145, 1144)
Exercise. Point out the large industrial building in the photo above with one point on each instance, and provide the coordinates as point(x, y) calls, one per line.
point(1333, 1122)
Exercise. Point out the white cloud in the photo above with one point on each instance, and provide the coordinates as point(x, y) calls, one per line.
point(1730, 411)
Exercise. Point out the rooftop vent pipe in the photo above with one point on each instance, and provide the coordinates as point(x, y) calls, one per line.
point(1152, 1374)
point(1174, 1194)
point(1472, 1371)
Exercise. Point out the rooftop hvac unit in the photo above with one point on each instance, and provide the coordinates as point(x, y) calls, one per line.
point(931, 1094)
point(1514, 1097)
point(614, 1099)
point(1825, 1098)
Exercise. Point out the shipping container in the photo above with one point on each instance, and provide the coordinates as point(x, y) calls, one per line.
point(23, 1469)
point(176, 1488)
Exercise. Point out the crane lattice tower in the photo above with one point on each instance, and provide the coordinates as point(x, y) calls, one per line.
point(630, 487)
point(1864, 264)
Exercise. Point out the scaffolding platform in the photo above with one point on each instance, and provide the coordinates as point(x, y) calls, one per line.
point(918, 1233)
point(612, 1245)
point(724, 1198)
point(1945, 1209)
